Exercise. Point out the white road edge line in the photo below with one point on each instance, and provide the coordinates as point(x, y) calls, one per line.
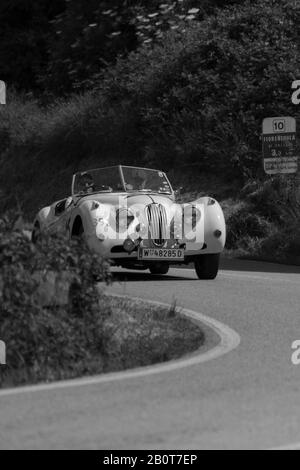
point(229, 340)
point(287, 447)
point(246, 275)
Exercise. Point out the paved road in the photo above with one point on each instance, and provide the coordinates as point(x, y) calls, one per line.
point(249, 398)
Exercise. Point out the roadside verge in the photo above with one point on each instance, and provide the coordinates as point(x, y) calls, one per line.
point(228, 341)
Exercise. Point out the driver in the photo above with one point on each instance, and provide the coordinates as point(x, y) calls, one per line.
point(140, 179)
point(86, 183)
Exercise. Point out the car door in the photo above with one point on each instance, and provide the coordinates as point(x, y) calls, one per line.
point(62, 215)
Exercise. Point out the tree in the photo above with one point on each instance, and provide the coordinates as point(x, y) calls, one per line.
point(88, 37)
point(62, 45)
point(201, 97)
point(23, 40)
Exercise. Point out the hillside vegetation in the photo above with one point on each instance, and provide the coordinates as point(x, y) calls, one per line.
point(52, 47)
point(191, 104)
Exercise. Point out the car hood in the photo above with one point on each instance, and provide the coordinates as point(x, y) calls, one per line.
point(129, 199)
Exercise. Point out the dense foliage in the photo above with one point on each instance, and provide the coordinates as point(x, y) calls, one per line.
point(58, 45)
point(264, 223)
point(202, 98)
point(197, 100)
point(45, 338)
point(89, 36)
point(25, 29)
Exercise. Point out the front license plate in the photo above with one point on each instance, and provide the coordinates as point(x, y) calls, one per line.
point(161, 253)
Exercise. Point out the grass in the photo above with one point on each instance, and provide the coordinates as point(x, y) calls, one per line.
point(141, 334)
point(134, 334)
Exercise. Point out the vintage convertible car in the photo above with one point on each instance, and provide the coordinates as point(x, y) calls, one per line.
point(130, 216)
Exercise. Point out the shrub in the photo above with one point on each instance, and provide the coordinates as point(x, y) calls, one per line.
point(283, 245)
point(47, 341)
point(264, 223)
point(243, 223)
point(274, 198)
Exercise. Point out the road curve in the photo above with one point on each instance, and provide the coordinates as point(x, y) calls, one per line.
point(248, 398)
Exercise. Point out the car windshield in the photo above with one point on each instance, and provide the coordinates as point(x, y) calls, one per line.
point(142, 179)
point(120, 178)
point(100, 180)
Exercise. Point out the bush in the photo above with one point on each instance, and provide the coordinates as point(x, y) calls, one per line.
point(274, 198)
point(49, 341)
point(283, 245)
point(244, 223)
point(264, 223)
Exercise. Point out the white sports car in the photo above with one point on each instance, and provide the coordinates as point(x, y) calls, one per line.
point(130, 216)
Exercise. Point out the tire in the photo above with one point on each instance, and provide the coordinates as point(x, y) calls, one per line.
point(207, 266)
point(159, 269)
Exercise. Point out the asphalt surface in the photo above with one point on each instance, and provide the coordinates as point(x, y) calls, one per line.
point(248, 398)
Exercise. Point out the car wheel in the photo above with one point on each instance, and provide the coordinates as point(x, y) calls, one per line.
point(207, 266)
point(159, 269)
point(36, 233)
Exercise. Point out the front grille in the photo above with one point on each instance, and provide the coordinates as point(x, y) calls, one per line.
point(157, 222)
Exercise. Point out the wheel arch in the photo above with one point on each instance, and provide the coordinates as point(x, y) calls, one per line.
point(77, 226)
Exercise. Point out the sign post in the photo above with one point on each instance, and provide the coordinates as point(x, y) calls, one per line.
point(2, 92)
point(2, 353)
point(280, 146)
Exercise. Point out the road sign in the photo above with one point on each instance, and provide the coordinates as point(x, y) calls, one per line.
point(2, 92)
point(280, 145)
